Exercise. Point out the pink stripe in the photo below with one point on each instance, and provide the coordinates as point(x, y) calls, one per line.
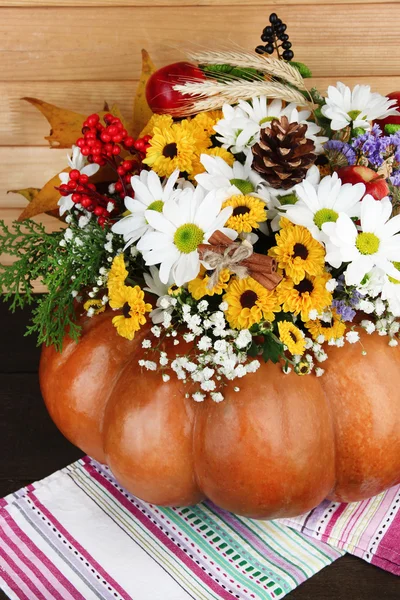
point(157, 533)
point(3, 502)
point(352, 521)
point(80, 549)
point(35, 550)
point(45, 582)
point(339, 511)
point(23, 577)
point(11, 583)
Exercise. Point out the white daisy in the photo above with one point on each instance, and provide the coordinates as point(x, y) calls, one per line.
point(79, 162)
point(391, 292)
point(150, 194)
point(323, 203)
point(187, 220)
point(376, 245)
point(236, 131)
point(158, 288)
point(238, 179)
point(357, 107)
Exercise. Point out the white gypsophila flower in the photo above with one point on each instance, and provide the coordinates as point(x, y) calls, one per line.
point(208, 386)
point(238, 179)
point(323, 203)
point(379, 307)
point(394, 328)
point(253, 366)
point(165, 377)
point(331, 285)
point(150, 195)
point(313, 315)
point(155, 286)
point(243, 339)
point(79, 162)
point(188, 337)
point(205, 343)
point(393, 342)
point(156, 331)
point(217, 396)
point(369, 326)
point(357, 107)
point(319, 372)
point(202, 305)
point(352, 337)
point(186, 221)
point(198, 397)
point(376, 245)
point(366, 306)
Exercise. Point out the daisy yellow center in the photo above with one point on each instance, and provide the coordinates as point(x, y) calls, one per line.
point(353, 114)
point(170, 150)
point(289, 199)
point(156, 205)
point(367, 243)
point(392, 279)
point(246, 187)
point(325, 215)
point(248, 299)
point(188, 237)
point(267, 120)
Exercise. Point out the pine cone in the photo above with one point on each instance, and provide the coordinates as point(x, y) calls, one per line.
point(283, 154)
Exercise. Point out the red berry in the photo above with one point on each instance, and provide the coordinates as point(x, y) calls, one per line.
point(108, 148)
point(127, 165)
point(80, 188)
point(121, 170)
point(83, 178)
point(76, 198)
point(90, 135)
point(101, 221)
point(74, 174)
point(105, 136)
point(139, 145)
point(116, 150)
point(92, 120)
point(118, 186)
point(63, 189)
point(118, 137)
point(72, 184)
point(80, 142)
point(86, 201)
point(127, 178)
point(98, 211)
point(85, 150)
point(147, 138)
point(129, 141)
point(91, 186)
point(112, 130)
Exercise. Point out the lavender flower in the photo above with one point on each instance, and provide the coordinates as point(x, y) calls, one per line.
point(395, 178)
point(340, 153)
point(346, 312)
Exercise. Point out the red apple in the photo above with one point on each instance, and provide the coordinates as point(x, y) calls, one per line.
point(160, 95)
point(390, 120)
point(375, 184)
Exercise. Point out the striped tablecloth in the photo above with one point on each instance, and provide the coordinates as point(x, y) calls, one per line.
point(79, 535)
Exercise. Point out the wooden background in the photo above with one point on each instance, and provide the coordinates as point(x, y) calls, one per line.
point(78, 53)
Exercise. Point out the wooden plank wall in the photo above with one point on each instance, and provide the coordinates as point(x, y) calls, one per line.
point(78, 53)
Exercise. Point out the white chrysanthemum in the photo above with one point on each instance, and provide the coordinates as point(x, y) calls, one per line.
point(79, 162)
point(155, 286)
point(323, 203)
point(238, 179)
point(187, 221)
point(376, 245)
point(150, 194)
point(279, 200)
point(236, 131)
point(357, 107)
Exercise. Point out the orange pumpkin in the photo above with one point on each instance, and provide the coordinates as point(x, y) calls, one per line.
point(276, 448)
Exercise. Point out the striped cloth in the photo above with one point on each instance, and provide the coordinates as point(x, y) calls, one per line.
point(78, 535)
point(369, 529)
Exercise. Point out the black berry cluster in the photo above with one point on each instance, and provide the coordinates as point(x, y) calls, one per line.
point(275, 37)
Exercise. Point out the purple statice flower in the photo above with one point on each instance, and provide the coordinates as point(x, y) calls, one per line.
point(355, 298)
point(395, 178)
point(346, 312)
point(373, 145)
point(395, 142)
point(340, 151)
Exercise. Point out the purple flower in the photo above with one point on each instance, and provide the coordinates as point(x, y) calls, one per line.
point(340, 150)
point(346, 312)
point(377, 147)
point(395, 178)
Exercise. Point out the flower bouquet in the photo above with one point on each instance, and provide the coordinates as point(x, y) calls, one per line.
point(222, 315)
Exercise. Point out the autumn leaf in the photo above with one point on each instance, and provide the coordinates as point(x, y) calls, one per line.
point(28, 193)
point(141, 110)
point(66, 125)
point(45, 200)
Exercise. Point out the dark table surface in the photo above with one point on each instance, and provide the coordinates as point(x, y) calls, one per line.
point(31, 448)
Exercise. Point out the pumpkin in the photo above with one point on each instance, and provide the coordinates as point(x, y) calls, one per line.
point(276, 448)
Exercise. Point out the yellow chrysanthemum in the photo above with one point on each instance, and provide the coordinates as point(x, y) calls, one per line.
point(248, 213)
point(298, 253)
point(303, 367)
point(171, 148)
point(174, 290)
point(96, 305)
point(207, 120)
point(249, 303)
point(201, 137)
point(131, 301)
point(160, 121)
point(199, 287)
point(118, 272)
point(333, 329)
point(292, 337)
point(309, 294)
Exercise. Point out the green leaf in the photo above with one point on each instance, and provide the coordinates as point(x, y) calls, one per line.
point(391, 128)
point(304, 71)
point(253, 350)
point(230, 71)
point(272, 349)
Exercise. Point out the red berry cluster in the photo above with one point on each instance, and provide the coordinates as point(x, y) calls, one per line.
point(141, 144)
point(86, 195)
point(100, 142)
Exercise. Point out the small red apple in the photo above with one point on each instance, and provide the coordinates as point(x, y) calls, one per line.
point(390, 120)
point(160, 95)
point(375, 184)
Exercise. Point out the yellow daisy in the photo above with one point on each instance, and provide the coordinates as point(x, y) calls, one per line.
point(131, 301)
point(156, 121)
point(199, 287)
point(248, 213)
point(298, 253)
point(174, 290)
point(96, 305)
point(309, 294)
point(118, 272)
point(249, 303)
point(207, 120)
point(292, 337)
point(171, 148)
point(202, 139)
point(333, 329)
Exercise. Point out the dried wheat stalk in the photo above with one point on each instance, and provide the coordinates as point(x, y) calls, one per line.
point(266, 64)
point(212, 95)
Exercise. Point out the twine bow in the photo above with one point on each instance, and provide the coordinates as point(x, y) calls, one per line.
point(221, 253)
